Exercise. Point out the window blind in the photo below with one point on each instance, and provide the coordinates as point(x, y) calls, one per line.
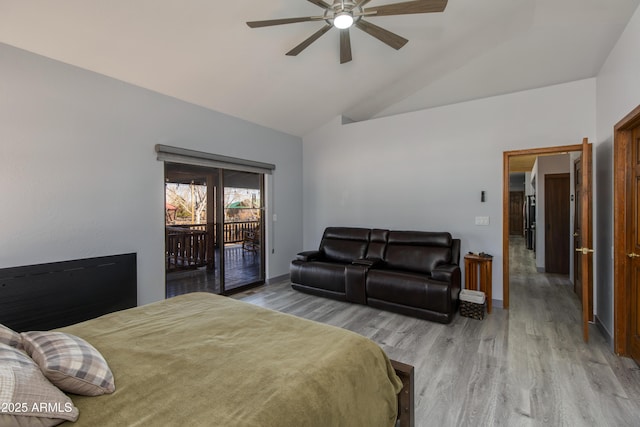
point(170, 154)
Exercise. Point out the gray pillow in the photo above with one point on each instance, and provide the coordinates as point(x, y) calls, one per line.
point(10, 337)
point(69, 362)
point(27, 398)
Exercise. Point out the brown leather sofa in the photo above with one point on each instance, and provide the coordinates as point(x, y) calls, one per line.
point(415, 273)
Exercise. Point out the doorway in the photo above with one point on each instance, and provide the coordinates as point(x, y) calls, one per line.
point(513, 157)
point(214, 229)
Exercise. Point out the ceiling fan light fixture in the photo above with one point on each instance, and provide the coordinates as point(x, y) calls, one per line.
point(343, 20)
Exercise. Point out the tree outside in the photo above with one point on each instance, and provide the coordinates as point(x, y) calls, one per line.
point(187, 204)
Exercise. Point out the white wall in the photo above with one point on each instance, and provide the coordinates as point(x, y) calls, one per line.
point(618, 92)
point(80, 177)
point(528, 188)
point(425, 170)
point(546, 165)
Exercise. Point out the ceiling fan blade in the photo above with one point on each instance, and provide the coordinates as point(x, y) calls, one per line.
point(320, 3)
point(270, 22)
point(345, 46)
point(409, 7)
point(305, 44)
point(385, 36)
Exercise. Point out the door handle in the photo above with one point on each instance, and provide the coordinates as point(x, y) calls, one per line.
point(585, 250)
point(576, 234)
point(633, 255)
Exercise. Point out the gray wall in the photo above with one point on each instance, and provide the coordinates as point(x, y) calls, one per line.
point(80, 177)
point(618, 92)
point(425, 170)
point(516, 181)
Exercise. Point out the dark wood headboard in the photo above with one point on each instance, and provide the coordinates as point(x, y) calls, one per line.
point(53, 295)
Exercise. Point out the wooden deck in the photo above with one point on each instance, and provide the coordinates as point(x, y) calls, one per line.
point(190, 246)
point(242, 267)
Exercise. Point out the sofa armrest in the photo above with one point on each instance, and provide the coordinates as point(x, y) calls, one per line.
point(356, 277)
point(368, 262)
point(308, 256)
point(446, 273)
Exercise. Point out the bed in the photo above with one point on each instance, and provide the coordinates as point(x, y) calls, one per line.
point(205, 359)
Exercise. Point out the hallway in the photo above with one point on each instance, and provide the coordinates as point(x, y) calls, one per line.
point(540, 298)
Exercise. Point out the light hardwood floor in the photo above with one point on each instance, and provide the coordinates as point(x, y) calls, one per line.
point(527, 366)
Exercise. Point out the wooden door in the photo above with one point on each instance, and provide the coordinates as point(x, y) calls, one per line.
point(577, 225)
point(633, 231)
point(626, 144)
point(557, 214)
point(516, 213)
point(577, 236)
point(586, 236)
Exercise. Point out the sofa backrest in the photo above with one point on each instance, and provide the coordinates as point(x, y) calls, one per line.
point(455, 251)
point(344, 244)
point(377, 243)
point(418, 251)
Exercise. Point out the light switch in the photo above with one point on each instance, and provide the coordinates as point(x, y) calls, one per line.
point(482, 220)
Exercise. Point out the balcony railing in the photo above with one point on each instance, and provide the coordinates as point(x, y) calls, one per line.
point(190, 246)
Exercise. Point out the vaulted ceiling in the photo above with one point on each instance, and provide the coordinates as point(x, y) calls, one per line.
point(204, 53)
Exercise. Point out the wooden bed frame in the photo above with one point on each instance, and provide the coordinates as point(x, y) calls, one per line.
point(54, 295)
point(406, 410)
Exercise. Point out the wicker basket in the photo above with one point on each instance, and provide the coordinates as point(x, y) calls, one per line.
point(470, 305)
point(471, 309)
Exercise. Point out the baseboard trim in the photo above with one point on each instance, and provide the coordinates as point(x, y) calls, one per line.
point(604, 331)
point(497, 303)
point(277, 279)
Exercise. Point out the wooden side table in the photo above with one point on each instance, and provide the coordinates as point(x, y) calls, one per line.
point(479, 267)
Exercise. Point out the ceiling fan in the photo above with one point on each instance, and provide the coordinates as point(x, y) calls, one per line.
point(343, 14)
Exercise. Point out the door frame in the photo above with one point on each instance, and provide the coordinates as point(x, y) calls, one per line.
point(622, 139)
point(506, 157)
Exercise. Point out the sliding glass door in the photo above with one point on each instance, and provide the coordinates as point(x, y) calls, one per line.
point(214, 229)
point(243, 230)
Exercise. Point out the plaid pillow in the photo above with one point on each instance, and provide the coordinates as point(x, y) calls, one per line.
point(9, 337)
point(26, 397)
point(69, 362)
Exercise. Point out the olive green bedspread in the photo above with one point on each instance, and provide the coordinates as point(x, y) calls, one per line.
point(206, 360)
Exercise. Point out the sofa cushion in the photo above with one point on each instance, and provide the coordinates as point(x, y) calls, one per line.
point(319, 274)
point(417, 251)
point(409, 289)
point(344, 244)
